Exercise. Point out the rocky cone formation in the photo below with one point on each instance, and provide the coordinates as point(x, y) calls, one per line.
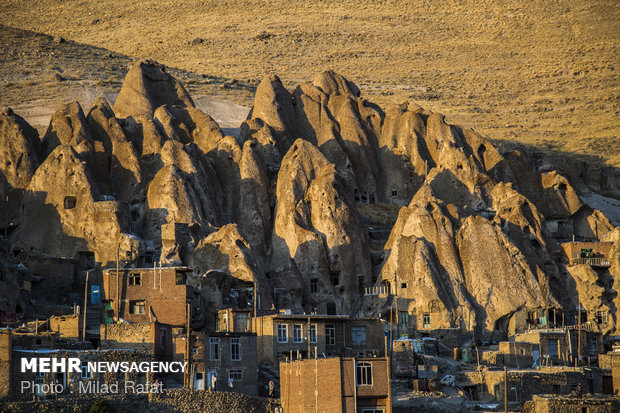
point(297, 205)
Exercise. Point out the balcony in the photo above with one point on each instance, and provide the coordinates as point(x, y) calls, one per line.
point(600, 262)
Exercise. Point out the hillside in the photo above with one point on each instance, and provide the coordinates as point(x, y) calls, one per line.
point(542, 73)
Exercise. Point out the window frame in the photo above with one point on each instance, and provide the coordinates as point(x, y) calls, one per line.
point(282, 327)
point(298, 333)
point(354, 342)
point(235, 374)
point(214, 343)
point(84, 366)
point(235, 342)
point(330, 334)
point(425, 323)
point(363, 373)
point(135, 304)
point(314, 285)
point(134, 278)
point(312, 333)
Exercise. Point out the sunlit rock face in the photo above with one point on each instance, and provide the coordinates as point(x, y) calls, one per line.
point(295, 207)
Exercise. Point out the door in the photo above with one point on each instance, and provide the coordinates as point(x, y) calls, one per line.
point(210, 376)
point(95, 294)
point(199, 382)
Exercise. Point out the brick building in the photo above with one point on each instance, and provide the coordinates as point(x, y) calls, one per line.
point(338, 385)
point(232, 358)
point(279, 335)
point(195, 358)
point(233, 320)
point(141, 295)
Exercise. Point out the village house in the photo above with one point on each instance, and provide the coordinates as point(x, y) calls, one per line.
point(524, 383)
point(193, 354)
point(160, 294)
point(233, 320)
point(335, 384)
point(595, 254)
point(534, 318)
point(283, 334)
point(561, 346)
point(232, 358)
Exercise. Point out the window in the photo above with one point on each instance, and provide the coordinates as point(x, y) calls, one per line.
point(314, 285)
point(235, 349)
point(70, 202)
point(149, 259)
point(601, 317)
point(1, 275)
point(162, 339)
point(364, 374)
point(358, 336)
point(180, 278)
point(242, 322)
point(282, 333)
point(214, 348)
point(136, 307)
point(552, 348)
point(403, 285)
point(592, 347)
point(85, 370)
point(330, 334)
point(313, 333)
point(297, 336)
point(426, 321)
point(373, 410)
point(235, 374)
point(135, 278)
point(394, 192)
point(334, 277)
point(403, 318)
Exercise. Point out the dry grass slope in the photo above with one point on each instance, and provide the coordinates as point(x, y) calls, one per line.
point(543, 73)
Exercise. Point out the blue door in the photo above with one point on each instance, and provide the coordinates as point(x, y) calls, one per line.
point(95, 295)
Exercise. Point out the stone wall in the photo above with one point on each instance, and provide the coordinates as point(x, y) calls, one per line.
point(170, 401)
point(67, 326)
point(550, 404)
point(5, 361)
point(135, 336)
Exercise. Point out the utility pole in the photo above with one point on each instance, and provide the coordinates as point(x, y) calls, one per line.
point(309, 351)
point(389, 378)
point(118, 250)
point(391, 338)
point(578, 360)
point(316, 380)
point(187, 348)
point(255, 295)
point(85, 304)
point(505, 390)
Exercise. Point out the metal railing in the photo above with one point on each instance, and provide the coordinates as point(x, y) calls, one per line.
point(594, 262)
point(380, 290)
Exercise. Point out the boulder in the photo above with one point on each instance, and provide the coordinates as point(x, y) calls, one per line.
point(19, 151)
point(146, 87)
